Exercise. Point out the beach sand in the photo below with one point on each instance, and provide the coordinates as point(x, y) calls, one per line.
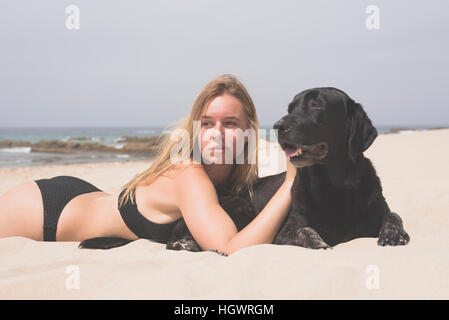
point(414, 174)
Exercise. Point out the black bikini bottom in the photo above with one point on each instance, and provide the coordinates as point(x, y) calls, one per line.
point(56, 193)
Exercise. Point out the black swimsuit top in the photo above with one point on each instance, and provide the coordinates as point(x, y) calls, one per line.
point(141, 226)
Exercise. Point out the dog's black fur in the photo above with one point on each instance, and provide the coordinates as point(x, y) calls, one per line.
point(337, 195)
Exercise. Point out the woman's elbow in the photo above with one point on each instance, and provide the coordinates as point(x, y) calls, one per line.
point(222, 249)
point(229, 248)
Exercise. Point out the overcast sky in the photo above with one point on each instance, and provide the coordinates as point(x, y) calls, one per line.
point(141, 63)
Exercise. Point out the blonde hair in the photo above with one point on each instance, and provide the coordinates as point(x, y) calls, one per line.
point(242, 175)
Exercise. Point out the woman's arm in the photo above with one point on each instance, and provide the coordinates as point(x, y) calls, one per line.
point(211, 226)
point(264, 227)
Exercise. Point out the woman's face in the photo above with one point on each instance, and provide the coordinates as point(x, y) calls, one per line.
point(222, 123)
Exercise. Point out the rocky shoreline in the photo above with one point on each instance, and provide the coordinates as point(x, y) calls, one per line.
point(398, 129)
point(131, 145)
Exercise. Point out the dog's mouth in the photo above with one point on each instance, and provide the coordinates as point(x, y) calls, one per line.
point(314, 152)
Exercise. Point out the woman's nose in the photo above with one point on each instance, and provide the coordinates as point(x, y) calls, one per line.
point(218, 130)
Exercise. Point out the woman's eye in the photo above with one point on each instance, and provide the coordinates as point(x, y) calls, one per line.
point(231, 123)
point(206, 123)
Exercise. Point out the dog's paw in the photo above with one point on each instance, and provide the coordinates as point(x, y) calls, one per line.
point(183, 244)
point(308, 238)
point(320, 244)
point(392, 234)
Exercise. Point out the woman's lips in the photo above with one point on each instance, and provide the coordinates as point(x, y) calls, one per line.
point(218, 148)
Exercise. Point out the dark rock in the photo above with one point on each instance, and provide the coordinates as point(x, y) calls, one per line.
point(8, 143)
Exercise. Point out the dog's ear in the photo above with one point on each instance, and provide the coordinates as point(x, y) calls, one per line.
point(291, 106)
point(361, 132)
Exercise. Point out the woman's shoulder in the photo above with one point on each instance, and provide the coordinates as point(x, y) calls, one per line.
point(183, 168)
point(191, 179)
point(188, 164)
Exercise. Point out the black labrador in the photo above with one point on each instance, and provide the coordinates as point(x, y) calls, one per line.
point(337, 195)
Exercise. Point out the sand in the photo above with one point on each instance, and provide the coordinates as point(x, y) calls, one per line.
point(413, 168)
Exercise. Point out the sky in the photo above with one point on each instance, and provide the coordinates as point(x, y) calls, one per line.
point(142, 63)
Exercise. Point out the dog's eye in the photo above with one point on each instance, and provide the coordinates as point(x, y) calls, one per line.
point(315, 105)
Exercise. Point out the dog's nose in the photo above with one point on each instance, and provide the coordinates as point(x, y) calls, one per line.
point(280, 126)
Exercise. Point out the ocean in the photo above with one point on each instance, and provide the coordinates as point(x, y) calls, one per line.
point(16, 143)
point(18, 156)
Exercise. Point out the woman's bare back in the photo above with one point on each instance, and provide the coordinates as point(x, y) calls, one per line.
point(89, 215)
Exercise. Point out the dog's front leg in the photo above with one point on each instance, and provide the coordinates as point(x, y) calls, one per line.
point(305, 237)
point(383, 223)
point(296, 232)
point(392, 232)
point(296, 229)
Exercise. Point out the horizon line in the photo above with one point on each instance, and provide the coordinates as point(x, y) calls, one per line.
point(160, 126)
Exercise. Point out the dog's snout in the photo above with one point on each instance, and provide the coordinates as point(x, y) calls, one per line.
point(280, 126)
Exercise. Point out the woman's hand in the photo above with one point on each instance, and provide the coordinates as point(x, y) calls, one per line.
point(291, 172)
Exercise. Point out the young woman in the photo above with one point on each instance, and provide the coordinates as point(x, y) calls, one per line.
point(173, 187)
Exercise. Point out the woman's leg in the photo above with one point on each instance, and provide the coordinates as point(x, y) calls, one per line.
point(21, 212)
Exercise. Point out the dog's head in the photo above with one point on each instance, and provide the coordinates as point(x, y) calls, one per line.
point(322, 123)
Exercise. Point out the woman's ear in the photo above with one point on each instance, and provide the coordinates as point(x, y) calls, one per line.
point(361, 132)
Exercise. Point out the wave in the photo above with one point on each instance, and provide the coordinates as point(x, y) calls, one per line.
point(16, 150)
point(122, 156)
point(145, 131)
